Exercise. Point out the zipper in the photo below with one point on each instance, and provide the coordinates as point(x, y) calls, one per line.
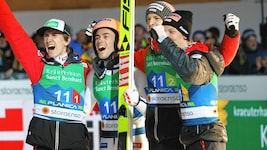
point(57, 136)
point(156, 124)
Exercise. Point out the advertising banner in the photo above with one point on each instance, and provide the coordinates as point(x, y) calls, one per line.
point(246, 123)
point(243, 87)
point(16, 110)
point(242, 108)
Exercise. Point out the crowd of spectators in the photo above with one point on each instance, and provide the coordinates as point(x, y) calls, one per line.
point(251, 57)
point(10, 68)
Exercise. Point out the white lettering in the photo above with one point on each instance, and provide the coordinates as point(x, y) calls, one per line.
point(62, 105)
point(263, 136)
point(65, 114)
point(249, 112)
point(232, 88)
point(107, 117)
point(187, 113)
point(160, 90)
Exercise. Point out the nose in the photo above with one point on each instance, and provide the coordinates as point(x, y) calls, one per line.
point(98, 41)
point(150, 24)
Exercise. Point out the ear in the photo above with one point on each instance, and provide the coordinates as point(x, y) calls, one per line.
point(68, 41)
point(185, 38)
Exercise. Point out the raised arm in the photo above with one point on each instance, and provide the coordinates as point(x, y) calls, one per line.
point(22, 45)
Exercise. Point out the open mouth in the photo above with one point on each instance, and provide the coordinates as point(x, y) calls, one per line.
point(51, 48)
point(101, 48)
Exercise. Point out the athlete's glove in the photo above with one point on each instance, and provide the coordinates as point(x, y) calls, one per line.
point(89, 29)
point(131, 96)
point(157, 32)
point(231, 24)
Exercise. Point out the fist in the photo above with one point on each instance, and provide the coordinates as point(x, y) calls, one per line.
point(157, 32)
point(131, 96)
point(89, 29)
point(231, 22)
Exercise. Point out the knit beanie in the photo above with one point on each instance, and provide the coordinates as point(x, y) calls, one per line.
point(247, 34)
point(160, 8)
point(181, 20)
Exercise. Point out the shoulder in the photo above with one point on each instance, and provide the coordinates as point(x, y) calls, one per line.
point(197, 50)
point(198, 47)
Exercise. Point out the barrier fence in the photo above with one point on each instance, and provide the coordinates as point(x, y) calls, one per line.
point(242, 108)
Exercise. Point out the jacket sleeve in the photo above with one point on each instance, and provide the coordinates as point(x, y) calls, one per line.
point(229, 47)
point(90, 100)
point(141, 84)
point(22, 45)
point(139, 58)
point(216, 60)
point(193, 68)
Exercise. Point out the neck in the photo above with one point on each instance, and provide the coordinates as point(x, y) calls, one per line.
point(61, 58)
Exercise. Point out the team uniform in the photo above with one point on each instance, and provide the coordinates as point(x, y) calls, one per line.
point(199, 111)
point(103, 85)
point(59, 104)
point(160, 76)
point(105, 93)
point(198, 67)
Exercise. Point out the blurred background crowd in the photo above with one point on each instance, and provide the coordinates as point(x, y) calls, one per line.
point(251, 58)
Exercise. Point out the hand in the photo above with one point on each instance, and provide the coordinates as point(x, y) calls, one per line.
point(157, 32)
point(259, 62)
point(89, 29)
point(231, 24)
point(131, 96)
point(264, 62)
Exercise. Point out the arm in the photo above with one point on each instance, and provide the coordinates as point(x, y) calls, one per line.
point(230, 42)
point(141, 84)
point(229, 47)
point(193, 68)
point(193, 64)
point(90, 100)
point(136, 96)
point(139, 58)
point(22, 45)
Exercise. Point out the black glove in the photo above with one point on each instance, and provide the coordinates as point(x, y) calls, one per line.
point(231, 22)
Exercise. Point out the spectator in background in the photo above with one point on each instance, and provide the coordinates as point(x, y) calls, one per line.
point(80, 41)
point(255, 53)
point(89, 54)
point(140, 37)
point(239, 65)
point(19, 72)
point(199, 36)
point(212, 36)
point(39, 41)
point(6, 58)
